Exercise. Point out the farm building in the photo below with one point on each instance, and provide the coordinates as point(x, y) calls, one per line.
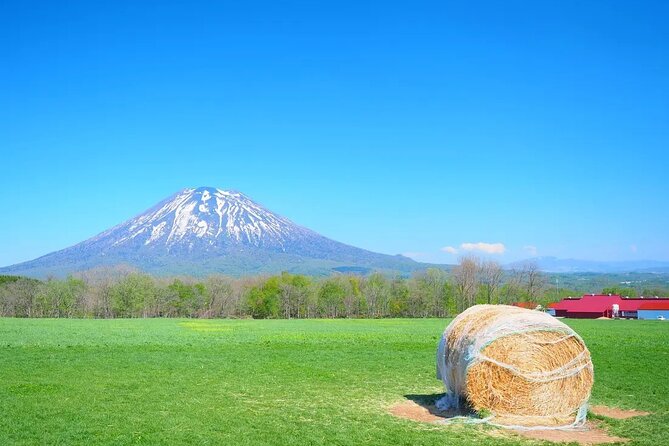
point(592, 306)
point(526, 305)
point(654, 310)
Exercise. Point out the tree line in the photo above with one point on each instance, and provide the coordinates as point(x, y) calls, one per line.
point(121, 292)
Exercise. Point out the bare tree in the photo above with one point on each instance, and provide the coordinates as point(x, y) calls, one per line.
point(18, 298)
point(534, 281)
point(287, 298)
point(220, 297)
point(466, 281)
point(512, 288)
point(418, 295)
point(8, 301)
point(436, 292)
point(99, 282)
point(491, 278)
point(375, 289)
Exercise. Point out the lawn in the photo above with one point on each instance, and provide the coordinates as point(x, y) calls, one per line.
point(176, 381)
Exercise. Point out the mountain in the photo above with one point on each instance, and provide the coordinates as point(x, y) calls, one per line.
point(556, 265)
point(209, 230)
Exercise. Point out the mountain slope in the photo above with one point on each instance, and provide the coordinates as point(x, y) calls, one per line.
point(206, 230)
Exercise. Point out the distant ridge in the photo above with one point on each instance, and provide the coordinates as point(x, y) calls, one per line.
point(556, 265)
point(209, 230)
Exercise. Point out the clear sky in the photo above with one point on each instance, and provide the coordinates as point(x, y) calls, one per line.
point(400, 127)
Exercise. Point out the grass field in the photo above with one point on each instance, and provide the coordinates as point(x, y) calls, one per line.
point(171, 381)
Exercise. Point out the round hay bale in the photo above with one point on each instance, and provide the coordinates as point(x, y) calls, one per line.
point(520, 367)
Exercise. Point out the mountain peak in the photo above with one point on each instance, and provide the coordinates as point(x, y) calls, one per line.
point(212, 190)
point(206, 215)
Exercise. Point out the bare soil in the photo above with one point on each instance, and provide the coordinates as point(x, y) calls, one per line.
point(618, 414)
point(591, 434)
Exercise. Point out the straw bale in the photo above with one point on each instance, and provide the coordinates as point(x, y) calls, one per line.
point(522, 367)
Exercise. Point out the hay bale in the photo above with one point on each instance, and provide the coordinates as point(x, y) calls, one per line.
point(521, 367)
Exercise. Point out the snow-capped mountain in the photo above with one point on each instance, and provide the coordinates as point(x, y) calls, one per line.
point(204, 218)
point(206, 230)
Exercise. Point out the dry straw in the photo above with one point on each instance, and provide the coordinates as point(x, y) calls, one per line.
point(522, 368)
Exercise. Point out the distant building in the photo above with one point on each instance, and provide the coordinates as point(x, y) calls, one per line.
point(654, 310)
point(592, 306)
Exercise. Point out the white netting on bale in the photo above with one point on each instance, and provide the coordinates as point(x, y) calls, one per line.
point(523, 368)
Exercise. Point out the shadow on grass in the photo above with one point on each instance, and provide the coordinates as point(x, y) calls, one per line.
point(429, 403)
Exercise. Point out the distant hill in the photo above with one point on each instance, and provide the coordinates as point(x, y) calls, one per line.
point(555, 265)
point(209, 230)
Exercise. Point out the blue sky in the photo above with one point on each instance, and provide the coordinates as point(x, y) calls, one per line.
point(397, 127)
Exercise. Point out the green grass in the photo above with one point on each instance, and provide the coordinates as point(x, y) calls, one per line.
point(169, 381)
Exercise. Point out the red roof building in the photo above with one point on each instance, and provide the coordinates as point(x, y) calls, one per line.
point(655, 304)
point(592, 306)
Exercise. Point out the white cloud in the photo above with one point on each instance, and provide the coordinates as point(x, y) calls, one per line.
point(531, 250)
point(488, 248)
point(450, 249)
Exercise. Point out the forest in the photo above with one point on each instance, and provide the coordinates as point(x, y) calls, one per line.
point(122, 292)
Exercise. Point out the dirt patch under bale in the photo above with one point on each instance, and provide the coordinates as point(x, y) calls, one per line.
point(618, 414)
point(590, 434)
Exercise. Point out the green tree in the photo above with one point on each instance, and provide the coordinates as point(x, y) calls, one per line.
point(187, 298)
point(621, 291)
point(60, 298)
point(331, 298)
point(263, 300)
point(133, 296)
point(660, 292)
point(399, 298)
